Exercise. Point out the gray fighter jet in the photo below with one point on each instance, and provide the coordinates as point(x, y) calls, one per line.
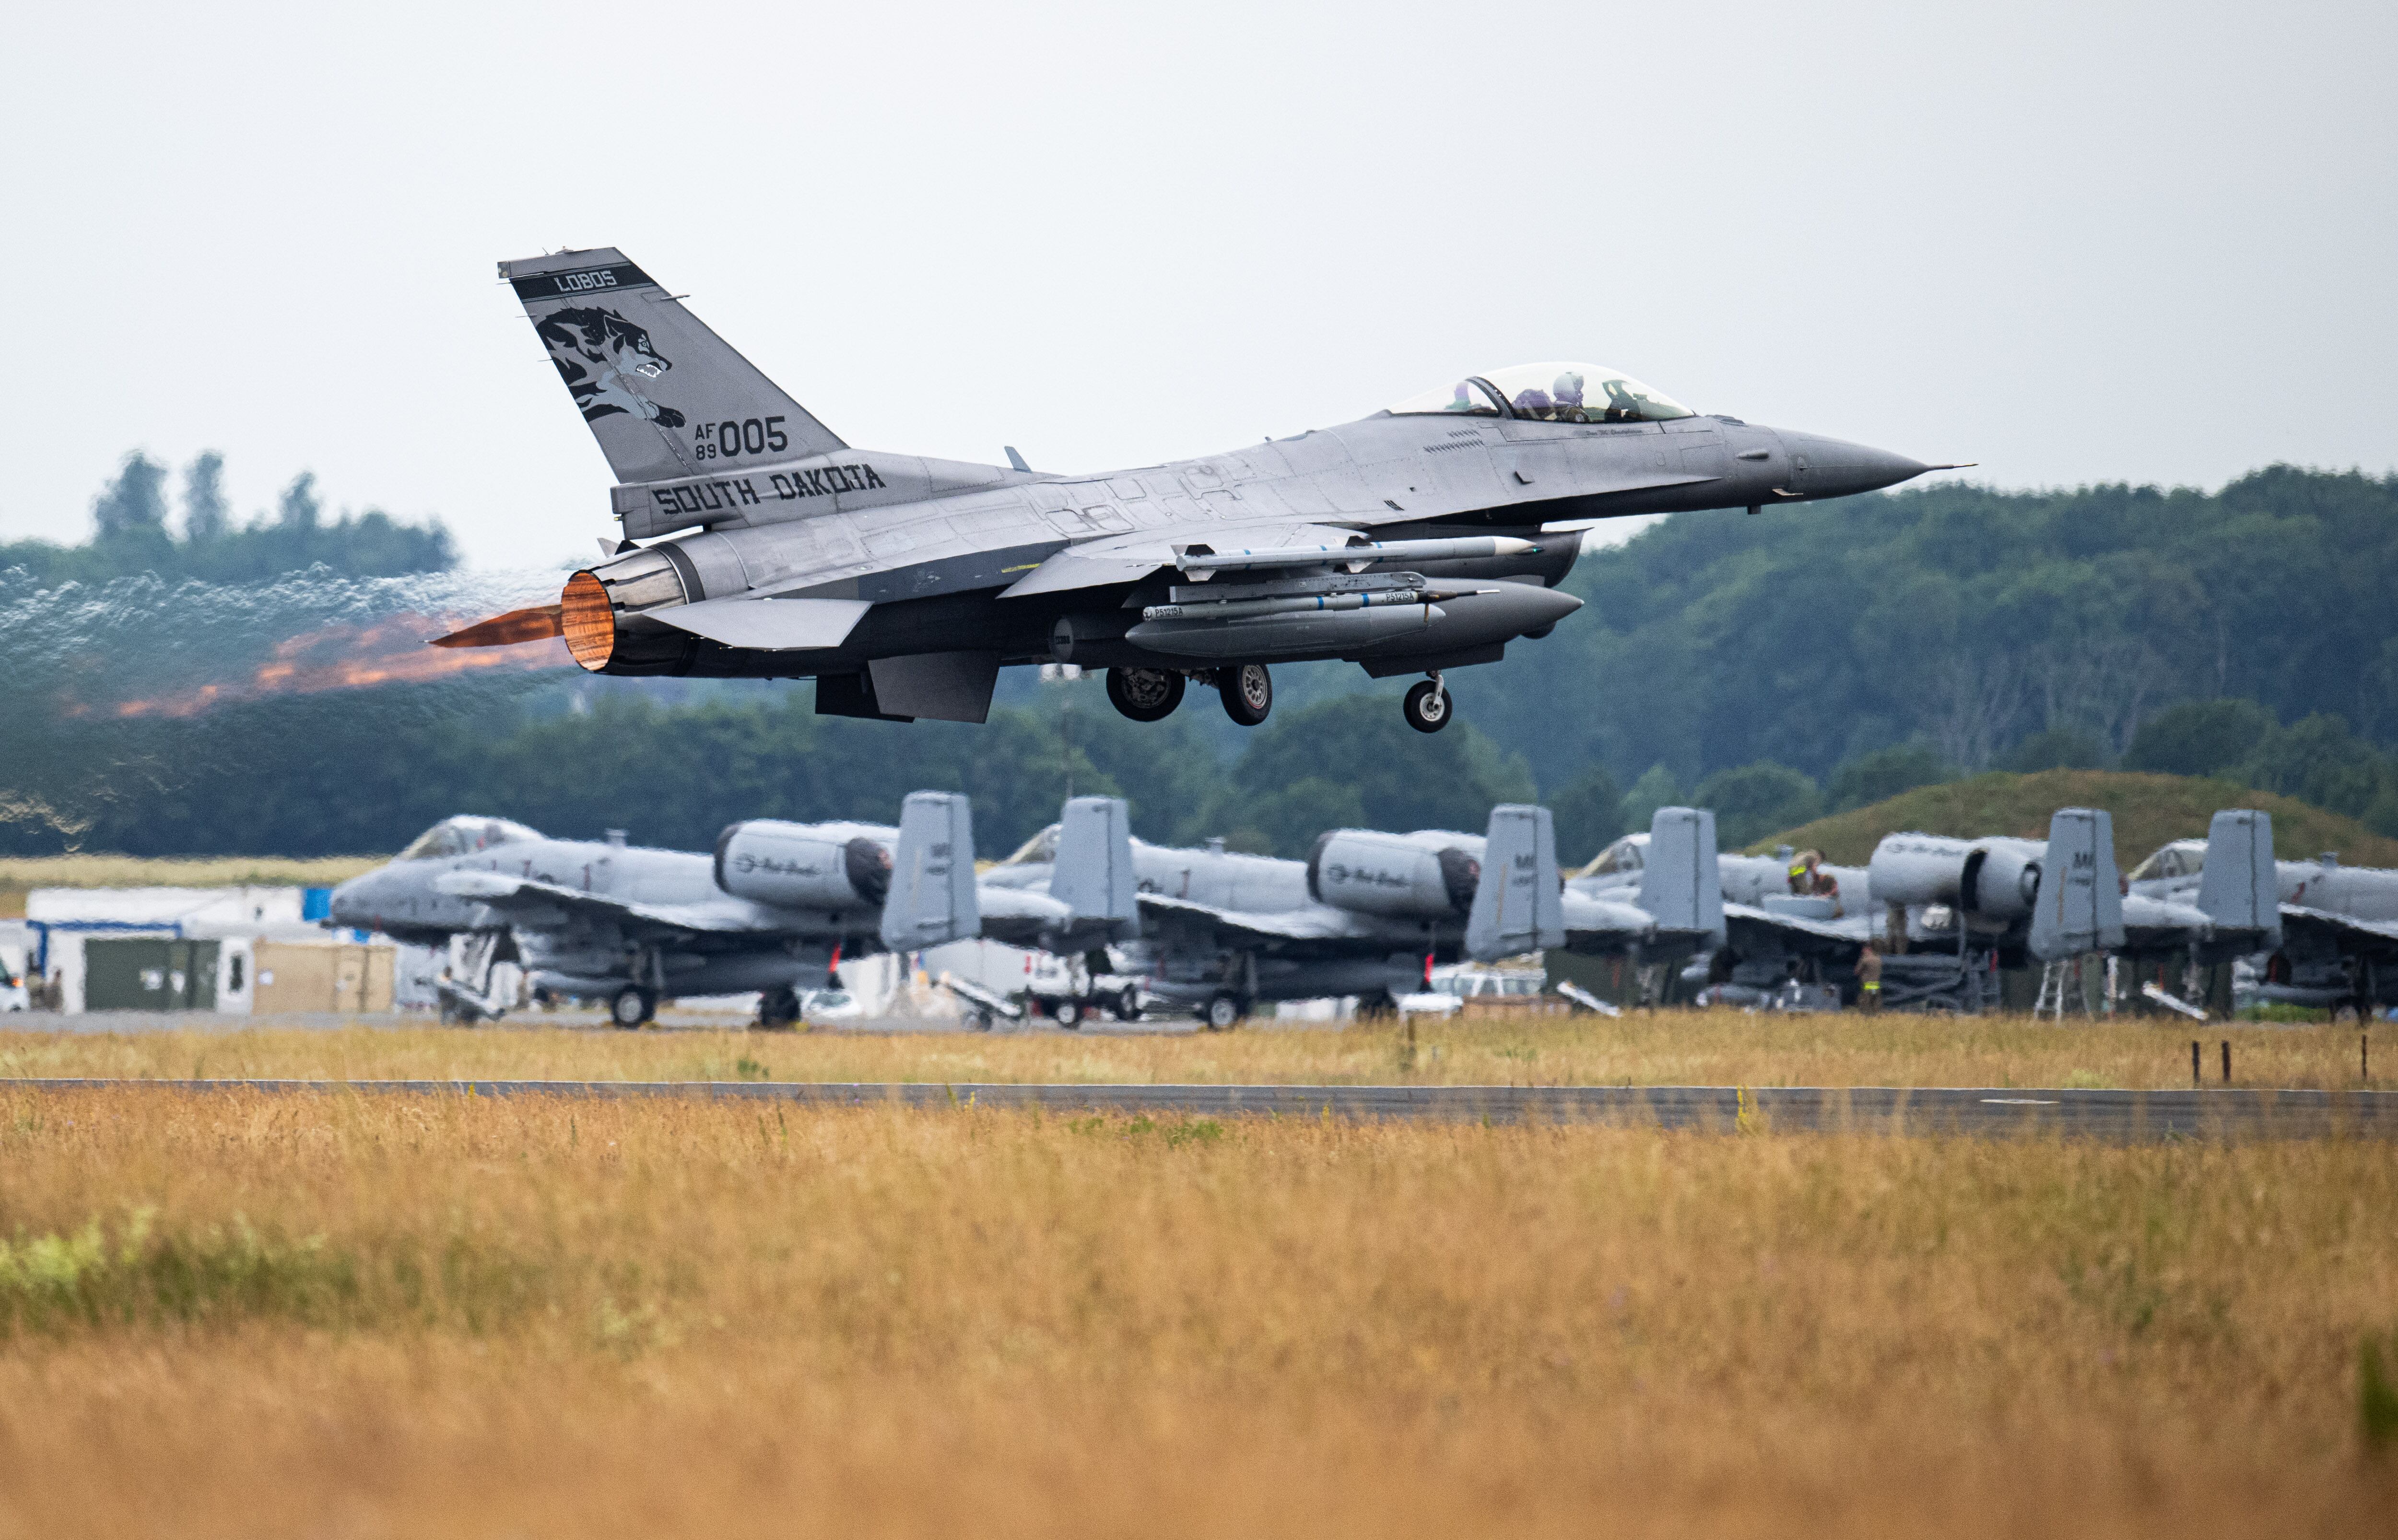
point(2328, 933)
point(1418, 540)
point(768, 911)
point(1221, 931)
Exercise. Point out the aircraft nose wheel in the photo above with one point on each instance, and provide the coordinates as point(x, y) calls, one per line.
point(1247, 689)
point(1145, 694)
point(1427, 706)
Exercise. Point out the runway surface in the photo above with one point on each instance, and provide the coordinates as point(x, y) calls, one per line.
point(2123, 1116)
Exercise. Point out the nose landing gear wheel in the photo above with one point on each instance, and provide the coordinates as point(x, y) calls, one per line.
point(1145, 694)
point(1427, 706)
point(1247, 689)
point(632, 1007)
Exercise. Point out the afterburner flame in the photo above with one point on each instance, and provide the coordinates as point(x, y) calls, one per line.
point(346, 657)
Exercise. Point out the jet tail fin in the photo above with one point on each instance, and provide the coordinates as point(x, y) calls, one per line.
point(932, 897)
point(664, 395)
point(1093, 874)
point(1681, 886)
point(2240, 889)
point(2079, 906)
point(1518, 905)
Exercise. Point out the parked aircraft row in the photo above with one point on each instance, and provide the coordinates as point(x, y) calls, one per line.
point(777, 904)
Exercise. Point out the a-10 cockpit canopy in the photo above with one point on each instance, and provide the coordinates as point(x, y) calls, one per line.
point(464, 836)
point(1549, 392)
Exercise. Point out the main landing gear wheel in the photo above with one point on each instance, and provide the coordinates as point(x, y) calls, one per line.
point(632, 1006)
point(1427, 706)
point(1068, 1013)
point(1126, 1005)
point(1224, 1012)
point(1145, 694)
point(778, 1009)
point(1247, 689)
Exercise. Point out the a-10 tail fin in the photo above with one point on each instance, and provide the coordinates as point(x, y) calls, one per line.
point(1681, 886)
point(2079, 906)
point(931, 898)
point(1518, 906)
point(1092, 874)
point(665, 396)
point(2240, 889)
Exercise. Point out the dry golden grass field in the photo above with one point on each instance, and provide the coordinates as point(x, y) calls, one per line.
point(245, 1315)
point(1660, 1048)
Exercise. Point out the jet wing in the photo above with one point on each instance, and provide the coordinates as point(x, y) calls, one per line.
point(769, 625)
point(2345, 926)
point(1129, 558)
point(501, 891)
point(1846, 932)
point(1313, 923)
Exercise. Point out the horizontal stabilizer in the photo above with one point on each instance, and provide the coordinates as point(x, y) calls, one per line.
point(1516, 904)
point(769, 625)
point(1681, 886)
point(2079, 906)
point(517, 625)
point(931, 898)
point(2240, 889)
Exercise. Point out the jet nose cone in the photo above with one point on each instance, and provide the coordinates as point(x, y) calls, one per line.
point(1833, 467)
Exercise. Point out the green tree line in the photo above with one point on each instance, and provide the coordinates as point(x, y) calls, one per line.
point(133, 533)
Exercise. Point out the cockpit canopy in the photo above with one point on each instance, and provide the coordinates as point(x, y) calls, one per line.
point(1550, 392)
point(464, 835)
point(2182, 858)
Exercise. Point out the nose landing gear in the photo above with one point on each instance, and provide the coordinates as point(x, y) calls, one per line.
point(1427, 705)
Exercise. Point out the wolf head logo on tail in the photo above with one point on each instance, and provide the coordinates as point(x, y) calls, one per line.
point(604, 360)
point(614, 334)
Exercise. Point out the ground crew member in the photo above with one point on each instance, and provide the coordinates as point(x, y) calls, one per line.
point(1808, 879)
point(1868, 979)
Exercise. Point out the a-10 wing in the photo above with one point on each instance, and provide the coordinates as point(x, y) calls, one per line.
point(1317, 922)
point(522, 898)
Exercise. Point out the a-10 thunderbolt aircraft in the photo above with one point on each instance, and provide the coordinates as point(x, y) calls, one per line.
point(1652, 898)
point(768, 911)
point(1946, 911)
point(2329, 931)
point(1221, 931)
point(1418, 540)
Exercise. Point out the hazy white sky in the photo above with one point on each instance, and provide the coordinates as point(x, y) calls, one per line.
point(2072, 242)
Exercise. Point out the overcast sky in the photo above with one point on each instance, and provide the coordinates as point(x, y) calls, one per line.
point(2072, 242)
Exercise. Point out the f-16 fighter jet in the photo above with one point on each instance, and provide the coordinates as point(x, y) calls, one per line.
point(1418, 540)
point(768, 911)
point(2330, 931)
point(1221, 931)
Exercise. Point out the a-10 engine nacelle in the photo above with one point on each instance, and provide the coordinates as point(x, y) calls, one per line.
point(1998, 878)
point(805, 866)
point(1429, 876)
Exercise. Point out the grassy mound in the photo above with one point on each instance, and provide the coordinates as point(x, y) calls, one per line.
point(21, 875)
point(2149, 811)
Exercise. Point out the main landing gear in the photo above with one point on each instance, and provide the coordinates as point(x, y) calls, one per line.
point(1427, 706)
point(1150, 694)
point(1145, 694)
point(1247, 689)
point(632, 1007)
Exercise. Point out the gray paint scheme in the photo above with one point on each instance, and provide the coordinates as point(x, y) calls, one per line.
point(967, 568)
point(2337, 942)
point(1358, 917)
